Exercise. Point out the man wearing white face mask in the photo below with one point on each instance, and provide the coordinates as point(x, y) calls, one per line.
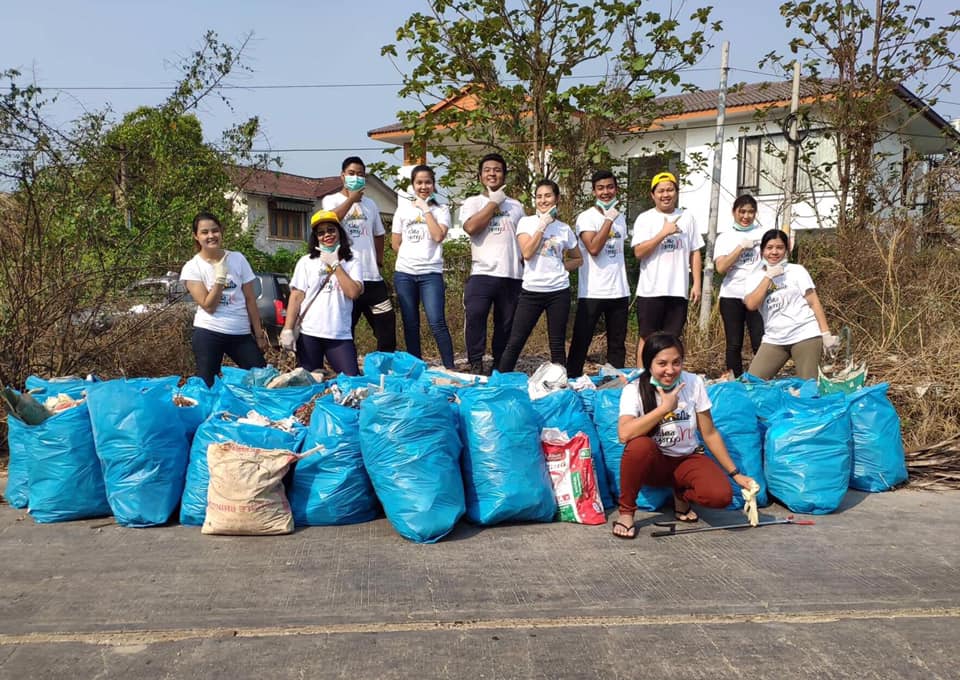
point(360, 218)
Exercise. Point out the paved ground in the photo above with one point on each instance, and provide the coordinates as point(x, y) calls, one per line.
point(872, 591)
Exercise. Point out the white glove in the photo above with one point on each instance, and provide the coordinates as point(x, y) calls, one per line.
point(287, 339)
point(545, 220)
point(774, 270)
point(220, 271)
point(830, 341)
point(498, 196)
point(611, 214)
point(746, 243)
point(421, 205)
point(331, 259)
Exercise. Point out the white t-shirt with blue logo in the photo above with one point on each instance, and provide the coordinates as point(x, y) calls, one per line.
point(604, 275)
point(362, 222)
point(666, 271)
point(544, 272)
point(230, 316)
point(677, 435)
point(329, 316)
point(419, 253)
point(494, 251)
point(787, 316)
point(735, 280)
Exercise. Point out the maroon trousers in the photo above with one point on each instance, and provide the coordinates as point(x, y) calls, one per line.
point(695, 478)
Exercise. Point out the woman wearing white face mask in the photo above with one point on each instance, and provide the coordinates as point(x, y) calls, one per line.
point(793, 319)
point(737, 256)
point(550, 253)
point(324, 285)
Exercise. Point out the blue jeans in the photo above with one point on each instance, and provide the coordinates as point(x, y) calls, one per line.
point(411, 289)
point(340, 354)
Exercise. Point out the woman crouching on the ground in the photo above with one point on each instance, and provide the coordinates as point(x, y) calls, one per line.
point(660, 415)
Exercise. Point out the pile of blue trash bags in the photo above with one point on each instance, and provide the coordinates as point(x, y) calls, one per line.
point(423, 447)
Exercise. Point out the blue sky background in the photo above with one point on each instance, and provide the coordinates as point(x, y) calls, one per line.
point(114, 44)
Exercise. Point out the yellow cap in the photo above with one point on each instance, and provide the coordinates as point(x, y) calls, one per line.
point(324, 216)
point(663, 177)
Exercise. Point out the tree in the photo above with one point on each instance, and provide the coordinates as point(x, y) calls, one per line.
point(95, 204)
point(856, 57)
point(489, 76)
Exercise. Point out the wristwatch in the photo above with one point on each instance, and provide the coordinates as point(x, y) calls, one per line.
point(734, 472)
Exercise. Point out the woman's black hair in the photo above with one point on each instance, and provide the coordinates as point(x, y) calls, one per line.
point(652, 346)
point(548, 183)
point(198, 218)
point(744, 199)
point(422, 168)
point(345, 252)
point(774, 234)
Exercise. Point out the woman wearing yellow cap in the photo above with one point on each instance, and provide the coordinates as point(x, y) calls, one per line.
point(666, 242)
point(325, 283)
point(220, 281)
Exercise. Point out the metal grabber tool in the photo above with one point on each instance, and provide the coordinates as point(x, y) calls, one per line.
point(672, 530)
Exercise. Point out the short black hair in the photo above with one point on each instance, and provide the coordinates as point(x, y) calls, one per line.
point(350, 160)
point(492, 157)
point(744, 199)
point(602, 174)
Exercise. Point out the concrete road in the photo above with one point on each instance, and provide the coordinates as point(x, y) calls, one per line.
point(872, 591)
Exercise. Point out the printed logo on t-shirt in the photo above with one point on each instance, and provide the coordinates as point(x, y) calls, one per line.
point(747, 257)
point(774, 301)
point(670, 244)
point(674, 428)
point(551, 247)
point(414, 234)
point(356, 222)
point(497, 222)
point(612, 247)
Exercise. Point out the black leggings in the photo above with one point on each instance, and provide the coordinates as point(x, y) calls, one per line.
point(530, 306)
point(210, 346)
point(734, 313)
point(589, 311)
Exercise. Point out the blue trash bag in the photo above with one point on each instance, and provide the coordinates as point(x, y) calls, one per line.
point(17, 492)
point(391, 383)
point(217, 429)
point(879, 459)
point(196, 389)
point(400, 364)
point(808, 454)
point(231, 375)
point(260, 376)
point(411, 450)
point(331, 486)
point(66, 480)
point(605, 416)
point(276, 404)
point(587, 399)
point(735, 417)
point(564, 410)
point(770, 396)
point(513, 379)
point(505, 474)
point(142, 448)
point(72, 386)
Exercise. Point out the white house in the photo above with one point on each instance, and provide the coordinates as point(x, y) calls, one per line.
point(277, 205)
point(753, 152)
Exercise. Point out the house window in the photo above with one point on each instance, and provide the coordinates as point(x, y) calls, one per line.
point(288, 224)
point(640, 171)
point(763, 159)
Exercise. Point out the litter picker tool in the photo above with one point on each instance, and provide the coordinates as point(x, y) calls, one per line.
point(672, 530)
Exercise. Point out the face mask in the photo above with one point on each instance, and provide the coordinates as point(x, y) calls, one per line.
point(740, 227)
point(354, 182)
point(607, 205)
point(329, 249)
point(767, 263)
point(665, 388)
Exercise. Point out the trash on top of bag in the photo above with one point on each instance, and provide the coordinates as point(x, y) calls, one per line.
point(546, 379)
point(288, 424)
point(298, 377)
point(582, 383)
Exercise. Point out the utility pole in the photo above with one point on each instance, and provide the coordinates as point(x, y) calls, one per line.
point(706, 297)
point(792, 143)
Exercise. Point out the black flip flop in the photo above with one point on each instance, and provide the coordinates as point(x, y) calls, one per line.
point(626, 537)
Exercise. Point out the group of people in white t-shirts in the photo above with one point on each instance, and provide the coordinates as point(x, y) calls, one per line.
point(520, 270)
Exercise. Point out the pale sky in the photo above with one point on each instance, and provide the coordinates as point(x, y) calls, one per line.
point(119, 46)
